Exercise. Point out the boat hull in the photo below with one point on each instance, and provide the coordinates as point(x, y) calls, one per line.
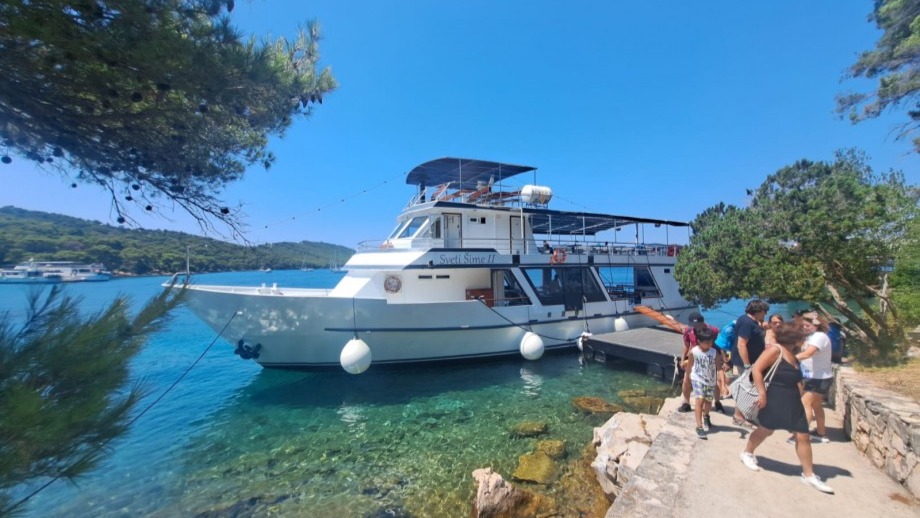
point(308, 328)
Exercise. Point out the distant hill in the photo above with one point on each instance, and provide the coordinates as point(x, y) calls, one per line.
point(26, 234)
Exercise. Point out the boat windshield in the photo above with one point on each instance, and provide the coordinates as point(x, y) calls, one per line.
point(414, 225)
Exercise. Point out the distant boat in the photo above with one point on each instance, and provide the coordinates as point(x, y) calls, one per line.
point(304, 267)
point(334, 265)
point(45, 272)
point(265, 269)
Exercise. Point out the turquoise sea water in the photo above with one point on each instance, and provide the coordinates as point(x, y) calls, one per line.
point(235, 438)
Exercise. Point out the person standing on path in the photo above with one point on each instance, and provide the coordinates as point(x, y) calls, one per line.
point(702, 367)
point(750, 343)
point(817, 371)
point(697, 322)
point(781, 404)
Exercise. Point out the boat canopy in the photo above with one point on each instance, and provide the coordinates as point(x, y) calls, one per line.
point(462, 173)
point(544, 221)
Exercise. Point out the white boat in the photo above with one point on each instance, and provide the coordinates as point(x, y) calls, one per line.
point(472, 270)
point(334, 265)
point(55, 271)
point(26, 273)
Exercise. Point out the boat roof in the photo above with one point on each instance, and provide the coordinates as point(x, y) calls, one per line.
point(462, 173)
point(546, 221)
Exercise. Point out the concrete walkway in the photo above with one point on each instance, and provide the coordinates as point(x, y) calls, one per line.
point(722, 484)
point(683, 476)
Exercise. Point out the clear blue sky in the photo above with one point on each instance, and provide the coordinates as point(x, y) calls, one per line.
point(653, 109)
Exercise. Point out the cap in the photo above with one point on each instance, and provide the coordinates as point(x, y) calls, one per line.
point(695, 318)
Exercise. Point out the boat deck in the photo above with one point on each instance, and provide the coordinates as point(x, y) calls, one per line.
point(659, 348)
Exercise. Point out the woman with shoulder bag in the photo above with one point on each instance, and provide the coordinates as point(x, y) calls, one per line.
point(780, 404)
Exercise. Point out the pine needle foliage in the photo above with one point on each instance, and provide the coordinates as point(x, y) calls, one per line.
point(895, 64)
point(65, 385)
point(153, 100)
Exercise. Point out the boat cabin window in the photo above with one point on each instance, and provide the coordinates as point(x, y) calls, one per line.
point(510, 292)
point(432, 231)
point(567, 286)
point(628, 282)
point(410, 229)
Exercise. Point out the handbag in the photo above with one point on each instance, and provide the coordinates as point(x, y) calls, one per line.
point(744, 391)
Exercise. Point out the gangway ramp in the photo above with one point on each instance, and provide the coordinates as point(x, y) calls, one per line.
point(659, 348)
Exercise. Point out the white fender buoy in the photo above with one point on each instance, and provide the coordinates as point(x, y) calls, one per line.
point(582, 339)
point(531, 346)
point(355, 356)
point(619, 324)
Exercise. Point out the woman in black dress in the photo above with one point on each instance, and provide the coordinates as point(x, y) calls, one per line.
point(781, 404)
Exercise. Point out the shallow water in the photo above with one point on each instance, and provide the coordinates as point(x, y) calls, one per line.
point(404, 441)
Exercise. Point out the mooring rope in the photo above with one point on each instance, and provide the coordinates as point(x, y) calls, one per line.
point(101, 445)
point(520, 326)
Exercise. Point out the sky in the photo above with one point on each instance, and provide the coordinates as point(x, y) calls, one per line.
point(655, 109)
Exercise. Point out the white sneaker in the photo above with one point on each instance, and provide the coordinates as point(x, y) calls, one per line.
point(749, 461)
point(815, 482)
point(822, 439)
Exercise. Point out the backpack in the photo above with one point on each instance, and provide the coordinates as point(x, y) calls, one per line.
point(726, 339)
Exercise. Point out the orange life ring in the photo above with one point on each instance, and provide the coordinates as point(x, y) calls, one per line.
point(559, 256)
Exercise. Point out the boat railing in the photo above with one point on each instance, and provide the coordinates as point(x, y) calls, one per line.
point(523, 246)
point(486, 195)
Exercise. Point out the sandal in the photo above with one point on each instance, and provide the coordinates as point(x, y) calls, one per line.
point(743, 423)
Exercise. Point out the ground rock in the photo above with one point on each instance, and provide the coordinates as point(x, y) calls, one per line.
point(496, 498)
point(621, 444)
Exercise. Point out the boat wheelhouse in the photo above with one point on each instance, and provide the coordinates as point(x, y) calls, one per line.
point(473, 269)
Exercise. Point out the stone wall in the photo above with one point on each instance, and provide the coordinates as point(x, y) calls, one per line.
point(883, 425)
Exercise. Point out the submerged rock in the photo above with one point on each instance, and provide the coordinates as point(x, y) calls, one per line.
point(247, 507)
point(535, 467)
point(496, 498)
point(581, 495)
point(644, 404)
point(529, 429)
point(553, 448)
point(596, 405)
point(623, 394)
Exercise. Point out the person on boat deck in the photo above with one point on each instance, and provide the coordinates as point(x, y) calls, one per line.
point(697, 323)
point(750, 343)
point(546, 248)
point(555, 286)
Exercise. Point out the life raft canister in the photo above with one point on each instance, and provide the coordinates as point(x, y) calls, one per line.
point(559, 256)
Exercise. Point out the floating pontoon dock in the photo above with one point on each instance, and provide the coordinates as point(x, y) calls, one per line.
point(657, 347)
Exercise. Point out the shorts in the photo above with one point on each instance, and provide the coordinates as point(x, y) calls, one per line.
point(703, 391)
point(818, 386)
